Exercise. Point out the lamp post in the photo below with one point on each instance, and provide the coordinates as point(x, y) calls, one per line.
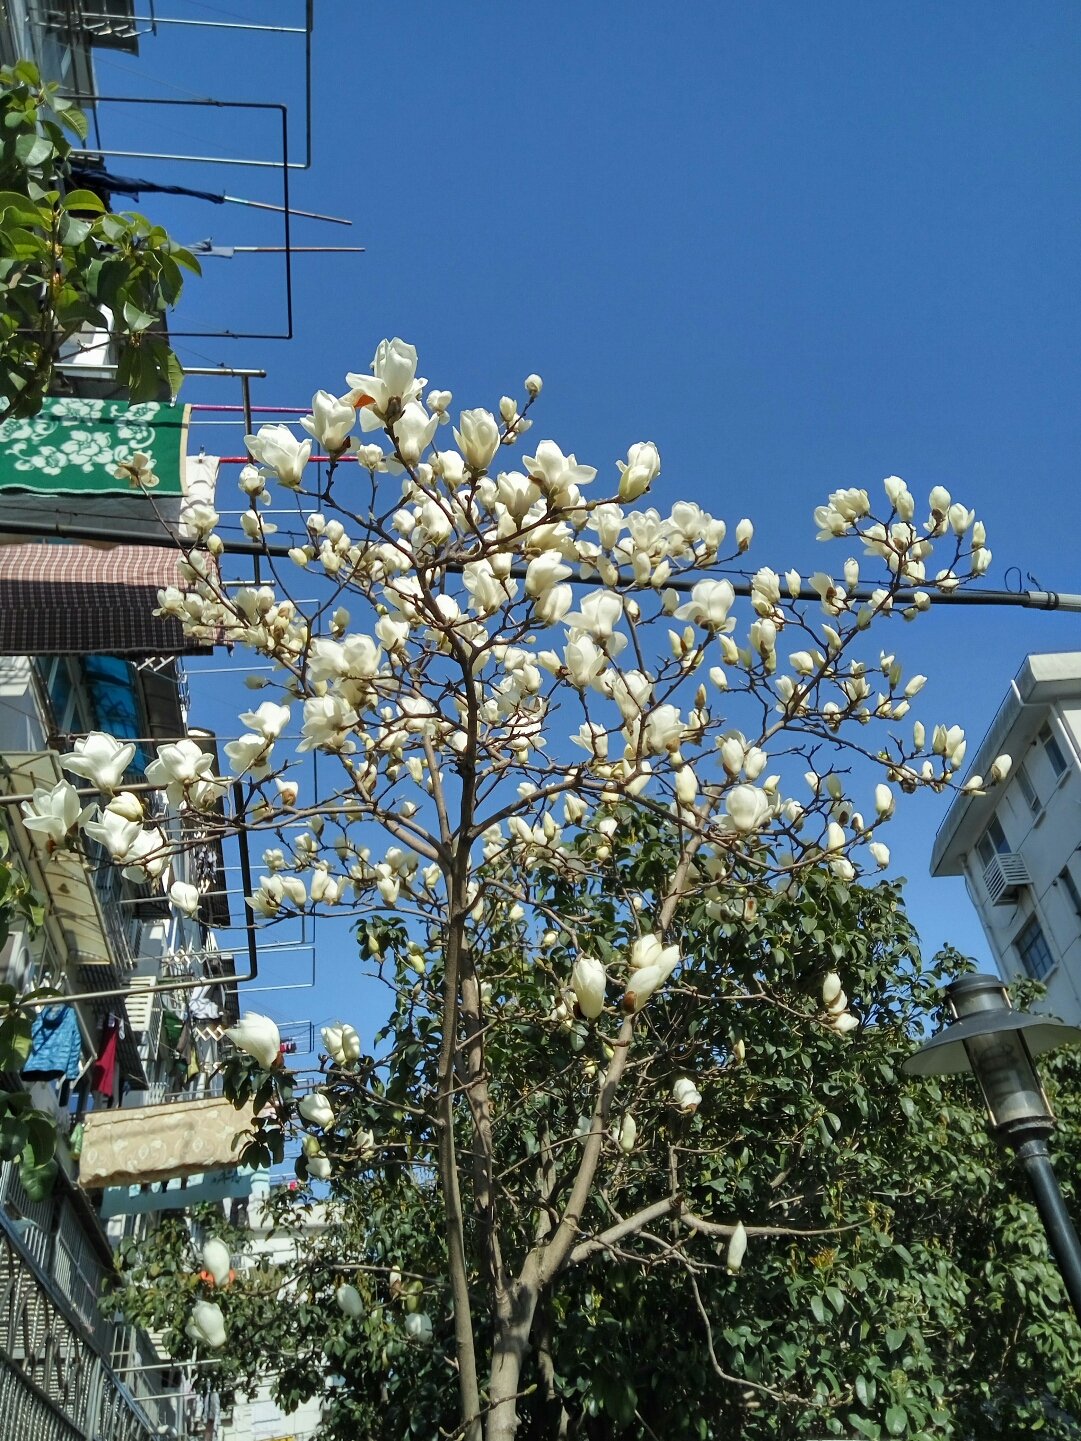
point(987, 1036)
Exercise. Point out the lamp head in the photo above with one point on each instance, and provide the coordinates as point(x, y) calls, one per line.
point(997, 1043)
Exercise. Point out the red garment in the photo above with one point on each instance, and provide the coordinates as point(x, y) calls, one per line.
point(103, 1071)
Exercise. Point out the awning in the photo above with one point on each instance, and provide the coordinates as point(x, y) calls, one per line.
point(73, 446)
point(58, 599)
point(138, 1144)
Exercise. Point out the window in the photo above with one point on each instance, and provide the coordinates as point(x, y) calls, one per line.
point(1053, 750)
point(1033, 949)
point(1028, 790)
point(993, 842)
point(1070, 887)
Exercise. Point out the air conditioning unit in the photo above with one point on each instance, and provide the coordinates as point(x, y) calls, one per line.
point(1004, 876)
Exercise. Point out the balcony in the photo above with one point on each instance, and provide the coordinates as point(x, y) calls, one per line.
point(56, 1381)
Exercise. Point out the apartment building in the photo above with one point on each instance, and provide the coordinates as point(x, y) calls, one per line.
point(1018, 845)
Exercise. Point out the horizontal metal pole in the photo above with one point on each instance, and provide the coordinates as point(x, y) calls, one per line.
point(207, 24)
point(193, 159)
point(70, 367)
point(1027, 599)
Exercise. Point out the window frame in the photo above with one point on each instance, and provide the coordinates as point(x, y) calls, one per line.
point(1049, 742)
point(987, 838)
point(1029, 940)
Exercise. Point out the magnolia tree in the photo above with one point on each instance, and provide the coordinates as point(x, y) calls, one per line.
point(890, 1280)
point(506, 659)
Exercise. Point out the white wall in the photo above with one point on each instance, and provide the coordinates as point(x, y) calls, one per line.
point(1049, 841)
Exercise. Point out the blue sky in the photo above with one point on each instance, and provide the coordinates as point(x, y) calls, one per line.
point(800, 246)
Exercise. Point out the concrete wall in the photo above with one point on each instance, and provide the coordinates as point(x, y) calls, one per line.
point(1048, 840)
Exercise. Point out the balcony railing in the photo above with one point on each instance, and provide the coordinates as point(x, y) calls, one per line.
point(55, 1379)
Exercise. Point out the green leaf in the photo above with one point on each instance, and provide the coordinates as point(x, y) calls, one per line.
point(896, 1420)
point(38, 1181)
point(136, 319)
point(32, 150)
point(77, 121)
point(84, 200)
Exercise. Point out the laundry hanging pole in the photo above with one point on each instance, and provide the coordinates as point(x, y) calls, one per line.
point(91, 178)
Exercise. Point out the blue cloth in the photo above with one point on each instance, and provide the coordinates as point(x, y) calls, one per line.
point(55, 1043)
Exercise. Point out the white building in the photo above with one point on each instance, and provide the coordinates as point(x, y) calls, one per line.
point(259, 1417)
point(1018, 846)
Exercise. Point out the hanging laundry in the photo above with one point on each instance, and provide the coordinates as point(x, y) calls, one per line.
point(55, 1045)
point(103, 1071)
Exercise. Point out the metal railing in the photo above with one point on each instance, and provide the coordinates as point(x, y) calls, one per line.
point(56, 1344)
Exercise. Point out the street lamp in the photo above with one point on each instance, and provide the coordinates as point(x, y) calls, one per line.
point(997, 1043)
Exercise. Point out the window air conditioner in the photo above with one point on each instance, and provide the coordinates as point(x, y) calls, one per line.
point(1004, 876)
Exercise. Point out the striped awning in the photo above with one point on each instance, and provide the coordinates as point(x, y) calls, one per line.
point(58, 599)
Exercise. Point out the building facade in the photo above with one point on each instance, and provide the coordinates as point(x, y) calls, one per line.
point(142, 993)
point(1018, 847)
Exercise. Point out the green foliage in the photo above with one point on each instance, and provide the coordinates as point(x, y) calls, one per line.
point(897, 1282)
point(64, 259)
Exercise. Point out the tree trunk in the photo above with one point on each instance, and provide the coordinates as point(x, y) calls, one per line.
point(515, 1309)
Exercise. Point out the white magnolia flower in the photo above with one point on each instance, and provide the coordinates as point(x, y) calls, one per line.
point(392, 384)
point(686, 1095)
point(686, 786)
point(258, 1037)
point(268, 721)
point(600, 613)
point(206, 1325)
point(276, 447)
point(251, 481)
point(737, 1249)
point(127, 805)
point(349, 1301)
point(748, 807)
point(650, 950)
point(831, 988)
point(899, 497)
point(583, 661)
point(53, 814)
point(588, 982)
point(477, 437)
point(331, 421)
point(217, 1260)
point(533, 385)
point(101, 759)
point(558, 475)
point(413, 431)
point(115, 832)
point(1000, 768)
point(881, 853)
point(249, 752)
point(319, 1168)
point(649, 975)
point(418, 1327)
point(328, 721)
point(643, 465)
point(316, 1109)
point(342, 1043)
point(710, 602)
point(627, 1133)
point(138, 471)
point(844, 1023)
point(177, 766)
point(884, 801)
point(185, 897)
point(664, 730)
